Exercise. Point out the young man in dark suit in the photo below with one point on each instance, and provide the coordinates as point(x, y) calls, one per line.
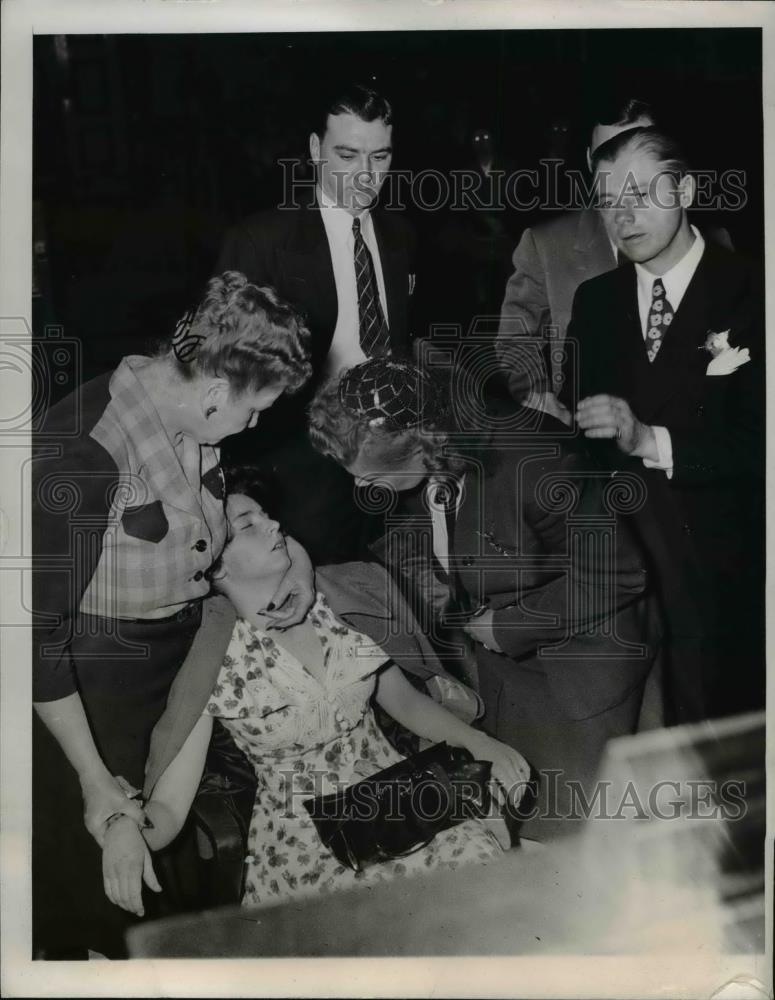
point(550, 262)
point(349, 268)
point(670, 381)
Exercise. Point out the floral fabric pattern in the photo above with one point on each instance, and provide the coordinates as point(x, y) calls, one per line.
point(306, 738)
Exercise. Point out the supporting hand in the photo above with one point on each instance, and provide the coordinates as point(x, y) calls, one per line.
point(610, 417)
point(103, 797)
point(481, 629)
point(296, 593)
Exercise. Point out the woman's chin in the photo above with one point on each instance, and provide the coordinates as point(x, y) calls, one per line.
point(281, 559)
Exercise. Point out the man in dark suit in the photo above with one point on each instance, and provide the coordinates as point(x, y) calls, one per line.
point(670, 382)
point(349, 268)
point(550, 262)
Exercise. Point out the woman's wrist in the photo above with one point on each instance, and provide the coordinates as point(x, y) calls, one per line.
point(94, 775)
point(476, 741)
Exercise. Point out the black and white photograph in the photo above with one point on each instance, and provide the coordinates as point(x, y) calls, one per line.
point(384, 512)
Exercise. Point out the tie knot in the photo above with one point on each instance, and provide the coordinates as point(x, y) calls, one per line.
point(356, 227)
point(657, 289)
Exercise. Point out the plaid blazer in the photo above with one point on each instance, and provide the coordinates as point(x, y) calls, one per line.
point(125, 523)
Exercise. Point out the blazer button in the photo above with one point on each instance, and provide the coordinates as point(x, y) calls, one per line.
point(687, 529)
point(700, 410)
point(198, 575)
point(201, 545)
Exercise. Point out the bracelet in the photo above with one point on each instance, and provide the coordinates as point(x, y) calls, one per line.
point(147, 825)
point(112, 819)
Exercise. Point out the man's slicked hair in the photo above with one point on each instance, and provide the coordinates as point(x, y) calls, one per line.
point(607, 109)
point(625, 114)
point(663, 147)
point(354, 99)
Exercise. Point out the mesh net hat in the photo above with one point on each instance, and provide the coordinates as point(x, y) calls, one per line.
point(391, 394)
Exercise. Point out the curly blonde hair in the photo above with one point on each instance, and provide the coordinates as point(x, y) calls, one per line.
point(245, 334)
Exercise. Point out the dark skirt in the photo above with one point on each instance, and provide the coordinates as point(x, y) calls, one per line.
point(124, 672)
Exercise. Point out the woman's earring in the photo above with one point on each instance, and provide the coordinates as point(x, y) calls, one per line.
point(211, 410)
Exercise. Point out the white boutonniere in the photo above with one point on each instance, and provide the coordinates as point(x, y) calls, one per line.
point(724, 358)
point(412, 282)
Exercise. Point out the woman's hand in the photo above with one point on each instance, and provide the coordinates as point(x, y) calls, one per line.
point(296, 593)
point(481, 629)
point(103, 797)
point(509, 767)
point(126, 864)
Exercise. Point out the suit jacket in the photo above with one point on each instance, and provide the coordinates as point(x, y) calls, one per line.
point(703, 527)
point(716, 423)
point(511, 547)
point(550, 262)
point(289, 251)
point(517, 546)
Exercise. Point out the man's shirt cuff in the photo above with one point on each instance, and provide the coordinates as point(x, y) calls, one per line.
point(664, 452)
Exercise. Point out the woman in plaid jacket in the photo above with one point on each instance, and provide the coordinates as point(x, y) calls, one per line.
point(128, 515)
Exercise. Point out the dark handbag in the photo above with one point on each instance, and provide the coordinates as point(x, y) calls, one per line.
point(400, 810)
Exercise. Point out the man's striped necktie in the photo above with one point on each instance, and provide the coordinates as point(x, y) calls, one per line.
point(374, 333)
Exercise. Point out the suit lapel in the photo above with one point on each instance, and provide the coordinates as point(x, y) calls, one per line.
point(396, 278)
point(649, 385)
point(632, 371)
point(679, 353)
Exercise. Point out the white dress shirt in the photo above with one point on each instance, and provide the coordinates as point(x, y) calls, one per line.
point(346, 345)
point(675, 281)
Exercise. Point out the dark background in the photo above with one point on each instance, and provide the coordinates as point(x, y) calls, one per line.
point(146, 147)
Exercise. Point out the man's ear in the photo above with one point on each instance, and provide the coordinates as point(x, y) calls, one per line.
point(314, 146)
point(686, 190)
point(589, 157)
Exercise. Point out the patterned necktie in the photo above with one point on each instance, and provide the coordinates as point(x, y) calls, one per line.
point(374, 335)
point(660, 317)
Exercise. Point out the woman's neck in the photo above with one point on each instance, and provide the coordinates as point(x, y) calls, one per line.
point(170, 394)
point(251, 597)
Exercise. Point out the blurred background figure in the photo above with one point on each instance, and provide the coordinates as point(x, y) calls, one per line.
point(552, 259)
point(472, 249)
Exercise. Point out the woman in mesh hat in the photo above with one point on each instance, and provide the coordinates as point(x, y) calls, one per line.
point(536, 566)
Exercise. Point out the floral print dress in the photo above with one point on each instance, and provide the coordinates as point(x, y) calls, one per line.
point(307, 738)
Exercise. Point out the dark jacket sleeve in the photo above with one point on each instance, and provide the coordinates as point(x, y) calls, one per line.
point(600, 568)
point(72, 483)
